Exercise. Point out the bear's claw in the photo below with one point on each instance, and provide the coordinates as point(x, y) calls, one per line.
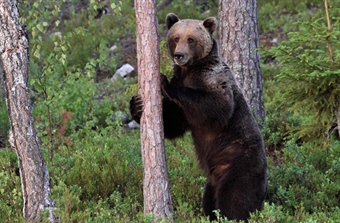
point(136, 107)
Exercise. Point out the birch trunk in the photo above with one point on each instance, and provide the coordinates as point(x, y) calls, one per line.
point(23, 138)
point(239, 42)
point(157, 199)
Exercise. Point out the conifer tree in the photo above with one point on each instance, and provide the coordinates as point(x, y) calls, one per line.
point(157, 199)
point(309, 64)
point(239, 42)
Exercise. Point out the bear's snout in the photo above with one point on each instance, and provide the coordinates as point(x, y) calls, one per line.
point(178, 55)
point(181, 59)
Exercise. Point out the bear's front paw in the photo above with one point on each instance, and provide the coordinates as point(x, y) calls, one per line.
point(136, 107)
point(164, 85)
point(164, 81)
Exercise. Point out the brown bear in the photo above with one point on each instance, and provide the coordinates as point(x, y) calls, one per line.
point(204, 98)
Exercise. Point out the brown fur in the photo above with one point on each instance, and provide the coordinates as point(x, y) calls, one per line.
point(203, 97)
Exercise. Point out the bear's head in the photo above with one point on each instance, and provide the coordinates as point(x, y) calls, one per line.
point(189, 40)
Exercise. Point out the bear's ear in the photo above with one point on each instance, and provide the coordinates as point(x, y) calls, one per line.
point(210, 24)
point(171, 19)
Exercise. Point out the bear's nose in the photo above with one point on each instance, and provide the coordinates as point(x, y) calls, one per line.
point(178, 55)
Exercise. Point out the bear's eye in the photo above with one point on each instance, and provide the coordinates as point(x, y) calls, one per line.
point(176, 39)
point(190, 40)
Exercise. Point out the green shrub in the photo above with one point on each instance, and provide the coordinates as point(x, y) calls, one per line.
point(185, 172)
point(64, 66)
point(278, 119)
point(4, 121)
point(11, 202)
point(280, 15)
point(307, 178)
point(103, 166)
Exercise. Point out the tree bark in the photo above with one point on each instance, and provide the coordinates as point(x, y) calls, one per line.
point(23, 138)
point(157, 199)
point(239, 42)
point(338, 119)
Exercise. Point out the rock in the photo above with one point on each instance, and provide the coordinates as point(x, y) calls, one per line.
point(58, 33)
point(123, 71)
point(133, 125)
point(113, 48)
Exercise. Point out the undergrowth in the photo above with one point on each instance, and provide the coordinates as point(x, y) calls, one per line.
point(95, 162)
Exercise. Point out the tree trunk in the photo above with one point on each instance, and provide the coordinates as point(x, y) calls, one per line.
point(239, 40)
point(338, 119)
point(15, 64)
point(157, 199)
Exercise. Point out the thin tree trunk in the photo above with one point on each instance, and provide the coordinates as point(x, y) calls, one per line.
point(239, 41)
point(23, 138)
point(338, 120)
point(157, 199)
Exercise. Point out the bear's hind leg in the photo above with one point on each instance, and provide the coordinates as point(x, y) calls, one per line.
point(231, 199)
point(238, 197)
point(209, 202)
